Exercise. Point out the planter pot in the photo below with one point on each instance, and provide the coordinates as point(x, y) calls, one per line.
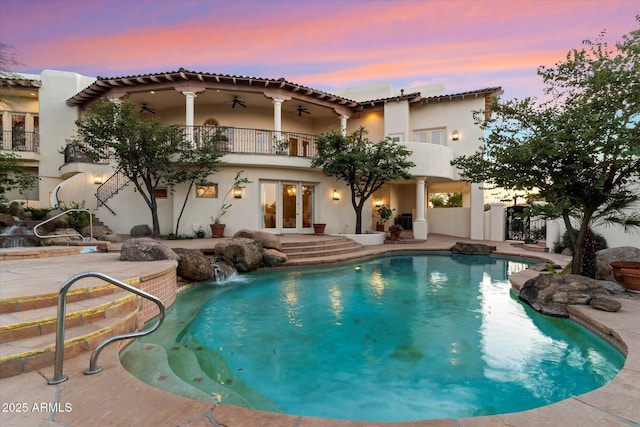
point(217, 230)
point(394, 235)
point(319, 228)
point(200, 234)
point(379, 227)
point(631, 279)
point(619, 265)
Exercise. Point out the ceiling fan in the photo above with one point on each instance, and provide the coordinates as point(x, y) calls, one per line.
point(145, 107)
point(301, 110)
point(238, 101)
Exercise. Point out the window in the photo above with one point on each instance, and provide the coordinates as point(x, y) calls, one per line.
point(431, 136)
point(206, 191)
point(161, 193)
point(396, 137)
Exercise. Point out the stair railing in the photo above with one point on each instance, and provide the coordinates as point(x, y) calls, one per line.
point(110, 188)
point(58, 376)
point(76, 234)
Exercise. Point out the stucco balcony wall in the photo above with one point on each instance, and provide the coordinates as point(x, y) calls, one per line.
point(431, 160)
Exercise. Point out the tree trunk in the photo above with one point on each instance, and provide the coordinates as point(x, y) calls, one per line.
point(184, 204)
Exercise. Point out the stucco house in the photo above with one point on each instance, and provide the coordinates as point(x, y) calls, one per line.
point(286, 195)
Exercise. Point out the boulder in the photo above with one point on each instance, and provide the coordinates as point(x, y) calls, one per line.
point(244, 254)
point(267, 240)
point(98, 231)
point(67, 235)
point(113, 238)
point(472, 248)
point(15, 209)
point(272, 257)
point(142, 230)
point(605, 304)
point(551, 293)
point(193, 265)
point(146, 249)
point(6, 220)
point(60, 222)
point(605, 257)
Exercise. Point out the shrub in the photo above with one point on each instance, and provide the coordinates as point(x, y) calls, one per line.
point(565, 242)
point(76, 219)
point(38, 213)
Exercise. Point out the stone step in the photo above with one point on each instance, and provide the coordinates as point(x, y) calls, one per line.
point(29, 354)
point(12, 305)
point(41, 321)
point(325, 246)
point(534, 247)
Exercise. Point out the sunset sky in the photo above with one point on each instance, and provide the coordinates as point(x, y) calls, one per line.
point(330, 44)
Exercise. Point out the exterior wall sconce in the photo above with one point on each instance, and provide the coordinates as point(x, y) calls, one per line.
point(237, 192)
point(455, 135)
point(378, 203)
point(336, 194)
point(97, 178)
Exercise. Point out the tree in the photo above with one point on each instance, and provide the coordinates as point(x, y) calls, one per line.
point(364, 166)
point(13, 174)
point(580, 149)
point(7, 61)
point(196, 165)
point(147, 151)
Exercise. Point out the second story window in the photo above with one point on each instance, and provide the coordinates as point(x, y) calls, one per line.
point(431, 136)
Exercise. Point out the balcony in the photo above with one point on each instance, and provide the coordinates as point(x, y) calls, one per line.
point(19, 140)
point(256, 141)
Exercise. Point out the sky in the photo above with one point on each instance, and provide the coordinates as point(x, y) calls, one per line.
point(327, 45)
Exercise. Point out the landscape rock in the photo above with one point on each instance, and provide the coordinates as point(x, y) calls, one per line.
point(67, 235)
point(272, 257)
point(244, 254)
point(142, 230)
point(551, 293)
point(98, 231)
point(60, 222)
point(113, 238)
point(6, 220)
point(267, 240)
point(605, 257)
point(605, 304)
point(472, 248)
point(17, 210)
point(193, 265)
point(146, 249)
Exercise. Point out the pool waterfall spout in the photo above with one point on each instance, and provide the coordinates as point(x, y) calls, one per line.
point(16, 236)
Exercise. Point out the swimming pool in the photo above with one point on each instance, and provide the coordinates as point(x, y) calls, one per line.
point(397, 338)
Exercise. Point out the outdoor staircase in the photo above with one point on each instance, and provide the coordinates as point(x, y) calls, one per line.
point(539, 246)
point(324, 248)
point(28, 326)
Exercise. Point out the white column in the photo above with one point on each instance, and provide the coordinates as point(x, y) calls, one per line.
point(277, 114)
point(189, 115)
point(343, 125)
point(420, 226)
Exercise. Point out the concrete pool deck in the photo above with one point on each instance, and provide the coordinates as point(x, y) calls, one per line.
point(116, 398)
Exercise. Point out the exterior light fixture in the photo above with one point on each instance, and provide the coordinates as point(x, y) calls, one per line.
point(237, 192)
point(378, 203)
point(336, 194)
point(455, 135)
point(97, 178)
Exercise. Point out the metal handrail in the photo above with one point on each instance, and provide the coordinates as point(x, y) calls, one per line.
point(35, 229)
point(58, 376)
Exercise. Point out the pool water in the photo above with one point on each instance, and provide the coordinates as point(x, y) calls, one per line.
point(398, 338)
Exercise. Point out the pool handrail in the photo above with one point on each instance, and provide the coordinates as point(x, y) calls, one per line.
point(76, 234)
point(58, 376)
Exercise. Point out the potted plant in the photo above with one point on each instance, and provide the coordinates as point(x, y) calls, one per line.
point(394, 231)
point(217, 227)
point(384, 212)
point(631, 279)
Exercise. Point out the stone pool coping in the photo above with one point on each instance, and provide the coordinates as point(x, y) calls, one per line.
point(115, 397)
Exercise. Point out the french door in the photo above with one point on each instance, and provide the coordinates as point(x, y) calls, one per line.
point(287, 207)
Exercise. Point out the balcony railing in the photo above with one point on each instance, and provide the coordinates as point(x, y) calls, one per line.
point(257, 141)
point(19, 140)
point(73, 154)
point(234, 141)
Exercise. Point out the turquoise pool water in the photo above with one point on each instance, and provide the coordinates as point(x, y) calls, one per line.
point(398, 338)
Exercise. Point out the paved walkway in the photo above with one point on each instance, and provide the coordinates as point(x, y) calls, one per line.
point(115, 398)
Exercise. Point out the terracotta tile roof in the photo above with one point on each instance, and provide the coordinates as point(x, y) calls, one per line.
point(18, 81)
point(102, 85)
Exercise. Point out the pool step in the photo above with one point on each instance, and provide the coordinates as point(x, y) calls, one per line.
point(28, 327)
point(325, 247)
